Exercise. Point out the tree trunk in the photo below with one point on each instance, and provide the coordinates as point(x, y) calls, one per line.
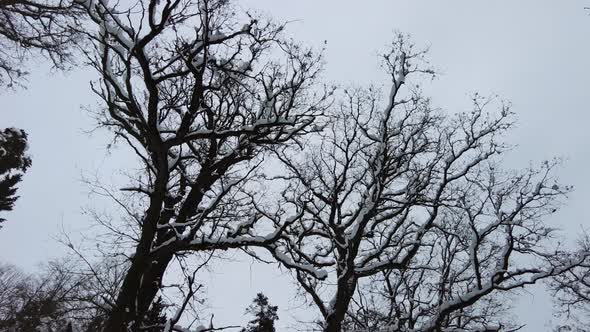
point(144, 277)
point(333, 324)
point(139, 289)
point(344, 293)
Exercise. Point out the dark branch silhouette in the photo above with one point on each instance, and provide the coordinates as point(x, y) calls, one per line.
point(200, 96)
point(35, 28)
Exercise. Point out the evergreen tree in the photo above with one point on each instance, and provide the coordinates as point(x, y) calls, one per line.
point(13, 163)
point(264, 313)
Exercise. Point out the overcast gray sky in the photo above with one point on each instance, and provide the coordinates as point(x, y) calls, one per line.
point(534, 53)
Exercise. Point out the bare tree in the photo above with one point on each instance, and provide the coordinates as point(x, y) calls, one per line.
point(64, 293)
point(405, 192)
point(199, 98)
point(572, 293)
point(36, 302)
point(30, 28)
point(10, 276)
point(97, 285)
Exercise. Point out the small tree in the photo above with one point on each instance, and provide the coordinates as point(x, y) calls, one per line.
point(264, 313)
point(13, 163)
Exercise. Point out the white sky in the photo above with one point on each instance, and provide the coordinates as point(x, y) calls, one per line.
point(534, 53)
